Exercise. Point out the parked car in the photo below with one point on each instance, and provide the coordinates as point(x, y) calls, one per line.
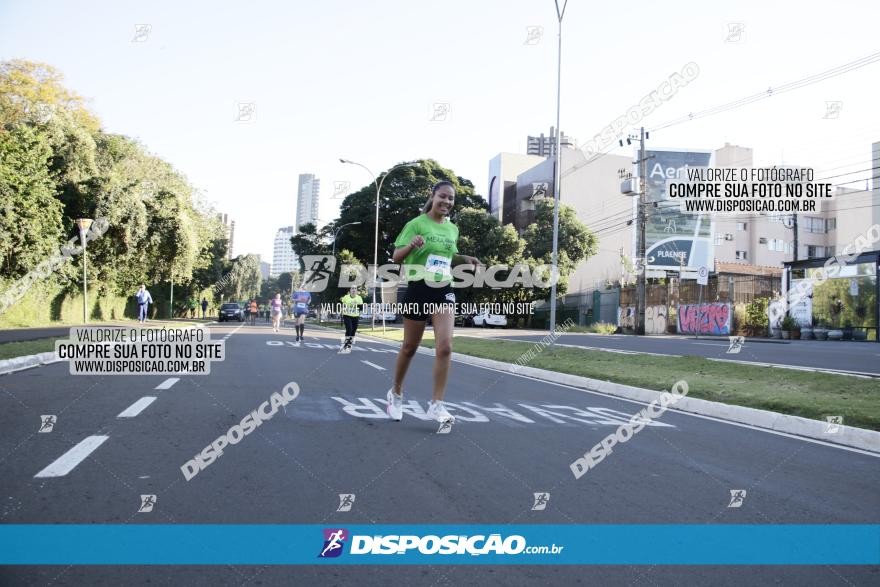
point(231, 312)
point(487, 320)
point(386, 314)
point(464, 320)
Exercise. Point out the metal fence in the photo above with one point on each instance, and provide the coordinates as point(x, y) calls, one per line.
point(736, 289)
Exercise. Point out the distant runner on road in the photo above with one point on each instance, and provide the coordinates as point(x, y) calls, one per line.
point(301, 300)
point(427, 247)
point(351, 308)
point(275, 306)
point(254, 311)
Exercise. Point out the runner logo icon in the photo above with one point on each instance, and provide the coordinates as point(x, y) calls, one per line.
point(334, 541)
point(541, 500)
point(736, 344)
point(346, 500)
point(318, 269)
point(47, 423)
point(737, 496)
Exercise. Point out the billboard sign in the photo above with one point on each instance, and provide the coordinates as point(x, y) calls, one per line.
point(673, 240)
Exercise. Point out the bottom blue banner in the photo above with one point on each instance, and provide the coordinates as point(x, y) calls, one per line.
point(209, 544)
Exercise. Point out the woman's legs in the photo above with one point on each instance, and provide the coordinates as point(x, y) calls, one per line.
point(354, 325)
point(412, 336)
point(443, 324)
point(300, 325)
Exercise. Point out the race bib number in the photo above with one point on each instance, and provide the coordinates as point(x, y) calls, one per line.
point(438, 265)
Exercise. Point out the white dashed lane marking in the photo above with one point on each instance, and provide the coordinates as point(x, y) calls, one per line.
point(137, 407)
point(168, 383)
point(66, 462)
point(373, 365)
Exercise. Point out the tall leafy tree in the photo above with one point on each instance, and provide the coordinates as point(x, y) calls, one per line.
point(30, 216)
point(403, 194)
point(575, 241)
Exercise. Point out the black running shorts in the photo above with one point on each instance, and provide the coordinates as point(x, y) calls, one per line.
point(422, 300)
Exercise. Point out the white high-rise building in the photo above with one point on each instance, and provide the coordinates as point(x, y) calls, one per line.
point(283, 257)
point(307, 199)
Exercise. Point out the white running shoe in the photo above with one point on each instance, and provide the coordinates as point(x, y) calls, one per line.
point(437, 411)
point(395, 405)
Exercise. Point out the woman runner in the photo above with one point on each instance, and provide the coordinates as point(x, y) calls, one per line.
point(351, 307)
point(301, 299)
point(275, 305)
point(427, 247)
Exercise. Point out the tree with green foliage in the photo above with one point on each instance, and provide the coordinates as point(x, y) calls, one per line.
point(575, 241)
point(57, 166)
point(404, 192)
point(243, 281)
point(31, 217)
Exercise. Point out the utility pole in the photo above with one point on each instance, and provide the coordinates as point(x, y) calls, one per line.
point(557, 175)
point(643, 198)
point(794, 227)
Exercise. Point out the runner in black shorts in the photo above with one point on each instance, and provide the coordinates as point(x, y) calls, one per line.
point(427, 248)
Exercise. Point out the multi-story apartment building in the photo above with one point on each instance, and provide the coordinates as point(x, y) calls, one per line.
point(283, 257)
point(307, 199)
point(545, 146)
point(230, 232)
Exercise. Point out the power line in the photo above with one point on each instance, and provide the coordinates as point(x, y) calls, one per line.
point(769, 92)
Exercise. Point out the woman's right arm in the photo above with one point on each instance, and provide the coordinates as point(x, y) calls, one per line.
point(400, 253)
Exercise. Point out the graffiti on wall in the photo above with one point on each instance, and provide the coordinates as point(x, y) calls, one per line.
point(655, 318)
point(709, 318)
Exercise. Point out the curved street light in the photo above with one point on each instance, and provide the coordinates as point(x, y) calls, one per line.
point(378, 185)
point(336, 234)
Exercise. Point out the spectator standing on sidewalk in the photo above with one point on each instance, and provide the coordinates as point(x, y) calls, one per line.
point(204, 306)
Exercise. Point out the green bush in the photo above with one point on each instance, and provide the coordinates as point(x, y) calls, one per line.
point(602, 328)
point(756, 321)
point(47, 304)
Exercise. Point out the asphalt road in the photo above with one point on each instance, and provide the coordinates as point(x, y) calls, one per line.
point(292, 468)
point(857, 357)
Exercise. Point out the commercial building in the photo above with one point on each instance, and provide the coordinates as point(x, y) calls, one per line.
point(283, 257)
point(504, 169)
point(596, 189)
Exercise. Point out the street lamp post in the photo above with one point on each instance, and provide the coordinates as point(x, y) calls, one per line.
point(84, 224)
point(336, 233)
point(378, 185)
point(557, 181)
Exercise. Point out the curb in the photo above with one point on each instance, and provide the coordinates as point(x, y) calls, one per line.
point(860, 438)
point(26, 362)
point(849, 436)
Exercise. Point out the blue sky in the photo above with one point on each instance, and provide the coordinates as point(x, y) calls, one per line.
point(358, 80)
